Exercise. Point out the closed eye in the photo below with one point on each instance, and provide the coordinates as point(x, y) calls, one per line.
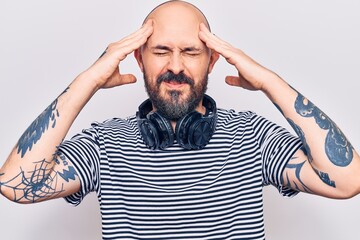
point(192, 51)
point(192, 54)
point(160, 53)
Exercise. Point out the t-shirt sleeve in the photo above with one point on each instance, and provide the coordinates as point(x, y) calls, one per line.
point(83, 152)
point(277, 147)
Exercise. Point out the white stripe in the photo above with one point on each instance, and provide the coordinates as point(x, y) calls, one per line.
point(213, 193)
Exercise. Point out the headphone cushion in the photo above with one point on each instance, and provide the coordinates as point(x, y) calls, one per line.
point(165, 133)
point(183, 128)
point(149, 133)
point(200, 133)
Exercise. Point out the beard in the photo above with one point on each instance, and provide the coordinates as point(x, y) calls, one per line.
point(173, 105)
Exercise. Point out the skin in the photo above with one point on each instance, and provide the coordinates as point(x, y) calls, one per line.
point(315, 173)
point(35, 171)
point(175, 46)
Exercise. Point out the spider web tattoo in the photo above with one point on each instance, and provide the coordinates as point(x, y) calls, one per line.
point(41, 183)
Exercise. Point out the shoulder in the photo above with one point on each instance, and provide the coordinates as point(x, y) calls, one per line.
point(115, 125)
point(241, 121)
point(115, 122)
point(225, 116)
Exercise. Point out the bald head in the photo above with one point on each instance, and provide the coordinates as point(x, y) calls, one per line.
point(177, 7)
point(176, 26)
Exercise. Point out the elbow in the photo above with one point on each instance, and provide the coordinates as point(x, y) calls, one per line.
point(347, 195)
point(353, 193)
point(6, 193)
point(11, 194)
point(12, 197)
point(349, 192)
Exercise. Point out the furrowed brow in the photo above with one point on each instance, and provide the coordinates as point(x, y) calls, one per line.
point(192, 49)
point(161, 47)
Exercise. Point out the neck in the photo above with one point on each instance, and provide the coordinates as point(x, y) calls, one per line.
point(200, 108)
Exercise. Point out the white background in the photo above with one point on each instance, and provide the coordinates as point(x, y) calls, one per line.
point(44, 45)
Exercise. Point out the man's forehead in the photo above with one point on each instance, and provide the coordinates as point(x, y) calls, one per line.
point(175, 38)
point(173, 35)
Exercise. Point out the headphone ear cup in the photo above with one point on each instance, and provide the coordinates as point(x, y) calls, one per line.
point(183, 128)
point(200, 133)
point(164, 136)
point(149, 133)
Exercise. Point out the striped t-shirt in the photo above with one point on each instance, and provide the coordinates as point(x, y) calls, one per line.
point(212, 193)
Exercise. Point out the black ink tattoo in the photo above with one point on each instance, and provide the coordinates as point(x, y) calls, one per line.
point(37, 128)
point(337, 147)
point(305, 148)
point(66, 174)
point(297, 167)
point(35, 185)
point(325, 178)
point(34, 132)
point(42, 182)
point(103, 53)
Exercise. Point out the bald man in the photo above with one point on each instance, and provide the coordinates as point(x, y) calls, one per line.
point(180, 168)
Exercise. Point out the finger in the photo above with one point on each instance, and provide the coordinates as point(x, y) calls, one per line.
point(140, 31)
point(132, 42)
point(233, 81)
point(117, 80)
point(210, 37)
point(128, 78)
point(215, 43)
point(146, 30)
point(240, 81)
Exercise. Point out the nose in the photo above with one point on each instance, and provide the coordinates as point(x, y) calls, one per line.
point(176, 64)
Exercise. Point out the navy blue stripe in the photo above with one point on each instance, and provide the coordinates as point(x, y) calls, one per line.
point(213, 193)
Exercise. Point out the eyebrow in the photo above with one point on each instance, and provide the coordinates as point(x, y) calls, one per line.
point(191, 49)
point(161, 47)
point(186, 49)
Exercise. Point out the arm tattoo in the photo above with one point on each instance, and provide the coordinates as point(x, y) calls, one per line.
point(305, 148)
point(325, 178)
point(37, 128)
point(66, 174)
point(41, 183)
point(34, 185)
point(297, 167)
point(34, 132)
point(337, 147)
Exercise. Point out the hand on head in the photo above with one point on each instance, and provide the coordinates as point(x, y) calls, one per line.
point(250, 73)
point(106, 69)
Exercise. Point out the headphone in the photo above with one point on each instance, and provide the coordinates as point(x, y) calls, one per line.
point(192, 131)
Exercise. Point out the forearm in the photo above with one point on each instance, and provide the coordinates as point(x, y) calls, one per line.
point(328, 150)
point(33, 158)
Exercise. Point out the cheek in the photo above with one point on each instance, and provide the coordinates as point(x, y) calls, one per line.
point(154, 68)
point(197, 68)
point(153, 63)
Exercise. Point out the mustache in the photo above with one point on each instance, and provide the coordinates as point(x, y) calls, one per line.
point(170, 76)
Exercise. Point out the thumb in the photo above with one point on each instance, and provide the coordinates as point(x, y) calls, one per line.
point(127, 79)
point(117, 80)
point(233, 81)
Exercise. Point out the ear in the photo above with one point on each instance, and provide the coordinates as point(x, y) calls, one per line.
point(213, 59)
point(138, 56)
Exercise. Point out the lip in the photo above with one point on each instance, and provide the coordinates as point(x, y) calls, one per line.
point(174, 85)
